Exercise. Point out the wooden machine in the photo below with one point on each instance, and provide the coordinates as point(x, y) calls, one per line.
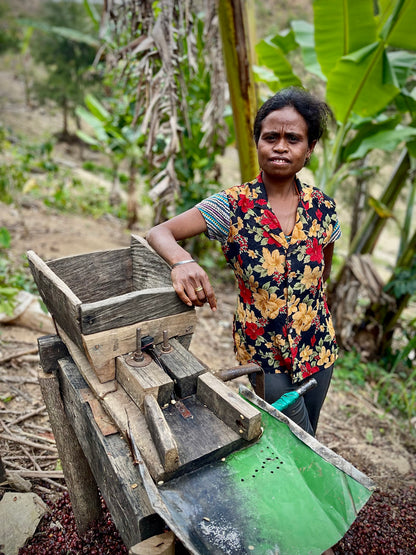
point(187, 432)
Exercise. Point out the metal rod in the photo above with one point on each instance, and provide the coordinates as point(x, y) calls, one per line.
point(138, 356)
point(238, 371)
point(166, 348)
point(307, 386)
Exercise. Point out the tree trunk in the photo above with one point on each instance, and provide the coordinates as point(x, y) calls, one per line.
point(115, 193)
point(235, 31)
point(360, 198)
point(132, 206)
point(65, 117)
point(367, 237)
point(389, 315)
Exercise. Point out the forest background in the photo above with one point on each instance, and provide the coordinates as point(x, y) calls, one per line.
point(136, 124)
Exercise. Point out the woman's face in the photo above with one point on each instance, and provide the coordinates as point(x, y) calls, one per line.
point(283, 144)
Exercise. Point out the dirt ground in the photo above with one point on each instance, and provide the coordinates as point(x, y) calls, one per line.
point(351, 423)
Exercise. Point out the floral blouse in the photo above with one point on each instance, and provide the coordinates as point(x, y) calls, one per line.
point(282, 321)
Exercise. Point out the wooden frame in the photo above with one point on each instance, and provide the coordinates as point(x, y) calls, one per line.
point(99, 299)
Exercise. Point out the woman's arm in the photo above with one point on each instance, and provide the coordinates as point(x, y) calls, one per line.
point(328, 253)
point(186, 278)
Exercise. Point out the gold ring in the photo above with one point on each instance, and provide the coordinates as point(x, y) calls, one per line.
point(200, 288)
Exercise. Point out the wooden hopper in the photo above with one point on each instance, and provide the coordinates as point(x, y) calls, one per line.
point(100, 299)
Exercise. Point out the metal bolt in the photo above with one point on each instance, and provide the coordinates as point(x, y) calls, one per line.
point(165, 345)
point(138, 356)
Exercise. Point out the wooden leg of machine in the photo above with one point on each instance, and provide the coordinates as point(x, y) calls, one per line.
point(81, 484)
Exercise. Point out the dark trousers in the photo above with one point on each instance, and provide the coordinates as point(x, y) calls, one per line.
point(305, 410)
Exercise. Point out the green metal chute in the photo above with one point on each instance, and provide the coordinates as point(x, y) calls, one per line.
point(285, 494)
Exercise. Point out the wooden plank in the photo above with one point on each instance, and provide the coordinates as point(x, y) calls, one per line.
point(162, 544)
point(227, 405)
point(109, 458)
point(218, 438)
point(182, 367)
point(61, 302)
point(101, 389)
point(149, 269)
point(105, 346)
point(127, 309)
point(123, 411)
point(161, 434)
point(200, 435)
point(51, 349)
point(141, 381)
point(78, 476)
point(96, 275)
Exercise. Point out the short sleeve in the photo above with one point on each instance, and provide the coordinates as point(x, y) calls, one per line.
point(216, 213)
point(336, 232)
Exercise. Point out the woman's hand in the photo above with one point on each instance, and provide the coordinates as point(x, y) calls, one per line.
point(189, 280)
point(192, 285)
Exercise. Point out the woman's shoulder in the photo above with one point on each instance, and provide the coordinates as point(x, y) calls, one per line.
point(316, 195)
point(245, 189)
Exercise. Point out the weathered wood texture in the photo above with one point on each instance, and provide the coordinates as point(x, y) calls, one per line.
point(182, 367)
point(200, 435)
point(149, 269)
point(62, 303)
point(162, 544)
point(103, 347)
point(127, 309)
point(102, 419)
point(120, 407)
point(51, 348)
point(109, 458)
point(227, 405)
point(141, 381)
point(161, 434)
point(97, 275)
point(78, 476)
point(218, 438)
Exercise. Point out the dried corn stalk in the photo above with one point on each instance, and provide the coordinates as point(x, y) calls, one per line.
point(149, 46)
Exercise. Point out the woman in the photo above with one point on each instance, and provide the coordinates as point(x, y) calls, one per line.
point(278, 236)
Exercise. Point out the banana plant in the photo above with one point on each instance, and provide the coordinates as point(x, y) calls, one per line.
point(235, 33)
point(113, 134)
point(363, 53)
point(347, 48)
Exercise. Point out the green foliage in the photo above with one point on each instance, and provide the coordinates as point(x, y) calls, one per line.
point(12, 280)
point(5, 238)
point(63, 45)
point(12, 180)
point(349, 49)
point(196, 165)
point(9, 30)
point(403, 281)
point(73, 196)
point(29, 169)
point(394, 391)
point(12, 175)
point(112, 130)
point(17, 160)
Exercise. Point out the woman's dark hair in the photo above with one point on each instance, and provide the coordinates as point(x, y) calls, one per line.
point(314, 111)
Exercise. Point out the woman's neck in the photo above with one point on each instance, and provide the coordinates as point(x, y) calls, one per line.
point(281, 189)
